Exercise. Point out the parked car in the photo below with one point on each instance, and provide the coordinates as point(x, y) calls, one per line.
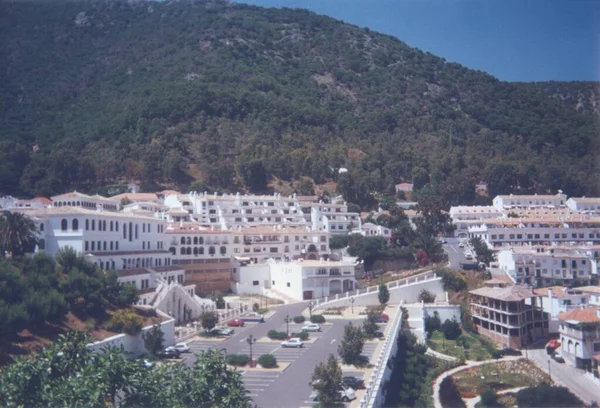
point(235, 323)
point(182, 347)
point(353, 382)
point(313, 327)
point(346, 394)
point(558, 358)
point(384, 318)
point(253, 317)
point(510, 352)
point(461, 245)
point(170, 352)
point(222, 331)
point(293, 342)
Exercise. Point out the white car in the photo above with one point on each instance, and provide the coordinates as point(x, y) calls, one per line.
point(313, 327)
point(469, 257)
point(222, 331)
point(461, 245)
point(182, 347)
point(346, 394)
point(293, 342)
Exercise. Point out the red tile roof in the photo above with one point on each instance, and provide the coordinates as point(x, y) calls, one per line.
point(581, 315)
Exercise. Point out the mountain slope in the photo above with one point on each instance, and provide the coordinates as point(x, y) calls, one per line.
point(232, 94)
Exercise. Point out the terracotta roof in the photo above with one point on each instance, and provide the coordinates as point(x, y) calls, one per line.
point(511, 294)
point(168, 268)
point(581, 315)
point(404, 186)
point(165, 192)
point(136, 196)
point(42, 200)
point(591, 289)
point(132, 272)
point(557, 292)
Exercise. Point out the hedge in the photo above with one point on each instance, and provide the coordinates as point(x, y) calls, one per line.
point(299, 319)
point(302, 335)
point(238, 359)
point(267, 361)
point(277, 335)
point(317, 319)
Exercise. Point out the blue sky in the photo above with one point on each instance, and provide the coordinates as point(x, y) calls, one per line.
point(514, 40)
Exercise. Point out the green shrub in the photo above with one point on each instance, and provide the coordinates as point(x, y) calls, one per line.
point(267, 361)
point(125, 321)
point(263, 310)
point(238, 359)
point(299, 319)
point(317, 319)
point(277, 335)
point(302, 335)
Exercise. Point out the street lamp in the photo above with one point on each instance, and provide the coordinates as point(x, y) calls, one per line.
point(549, 371)
point(351, 300)
point(310, 308)
point(251, 340)
point(287, 322)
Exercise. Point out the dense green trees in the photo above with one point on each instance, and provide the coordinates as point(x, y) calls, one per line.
point(233, 94)
point(69, 374)
point(545, 395)
point(352, 344)
point(17, 234)
point(484, 254)
point(37, 289)
point(326, 379)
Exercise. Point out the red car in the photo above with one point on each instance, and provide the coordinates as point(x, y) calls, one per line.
point(235, 323)
point(383, 318)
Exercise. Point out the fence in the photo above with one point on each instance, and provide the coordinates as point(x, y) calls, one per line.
point(394, 284)
point(373, 396)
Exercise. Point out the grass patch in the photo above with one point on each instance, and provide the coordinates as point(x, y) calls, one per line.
point(478, 348)
point(498, 376)
point(504, 400)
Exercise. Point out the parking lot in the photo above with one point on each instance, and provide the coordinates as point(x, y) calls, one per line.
point(288, 387)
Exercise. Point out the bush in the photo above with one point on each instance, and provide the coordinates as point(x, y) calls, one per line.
point(263, 310)
point(277, 335)
point(302, 335)
point(125, 321)
point(238, 359)
point(267, 361)
point(299, 319)
point(489, 399)
point(426, 296)
point(451, 329)
point(317, 319)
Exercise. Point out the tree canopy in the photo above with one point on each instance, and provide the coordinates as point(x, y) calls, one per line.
point(234, 95)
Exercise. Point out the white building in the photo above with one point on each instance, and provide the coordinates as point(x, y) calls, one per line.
point(593, 292)
point(462, 213)
point(297, 280)
point(589, 205)
point(549, 265)
point(76, 199)
point(509, 202)
point(580, 337)
point(557, 299)
point(369, 229)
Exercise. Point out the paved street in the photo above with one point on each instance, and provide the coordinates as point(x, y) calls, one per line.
point(564, 374)
point(455, 254)
point(288, 388)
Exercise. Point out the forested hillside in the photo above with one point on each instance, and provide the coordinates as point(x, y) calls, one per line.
point(233, 95)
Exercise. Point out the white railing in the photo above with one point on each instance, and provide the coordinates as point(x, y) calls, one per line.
point(374, 384)
point(225, 315)
point(394, 284)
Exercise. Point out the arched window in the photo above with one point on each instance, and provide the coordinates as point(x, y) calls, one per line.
point(182, 240)
point(111, 225)
point(188, 241)
point(130, 231)
point(223, 250)
point(93, 225)
point(195, 251)
point(195, 240)
point(75, 224)
point(136, 231)
point(42, 244)
point(63, 225)
point(104, 225)
point(189, 251)
point(143, 227)
point(211, 250)
point(41, 227)
point(173, 250)
point(78, 204)
point(117, 226)
point(111, 245)
point(87, 224)
point(201, 240)
point(182, 251)
point(101, 265)
point(124, 231)
point(201, 251)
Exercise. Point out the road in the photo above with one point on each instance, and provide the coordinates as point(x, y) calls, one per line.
point(289, 388)
point(566, 375)
point(456, 255)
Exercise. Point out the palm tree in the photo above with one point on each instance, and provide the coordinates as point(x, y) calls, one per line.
point(17, 233)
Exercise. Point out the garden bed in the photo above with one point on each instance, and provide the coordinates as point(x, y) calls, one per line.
point(478, 348)
point(498, 376)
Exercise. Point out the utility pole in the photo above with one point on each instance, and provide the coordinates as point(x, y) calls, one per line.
point(287, 322)
point(549, 371)
point(251, 340)
point(310, 308)
point(352, 304)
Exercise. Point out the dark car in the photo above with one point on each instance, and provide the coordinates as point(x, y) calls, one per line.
point(169, 352)
point(353, 382)
point(510, 352)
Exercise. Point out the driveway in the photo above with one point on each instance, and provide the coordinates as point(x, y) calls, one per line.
point(580, 384)
point(456, 255)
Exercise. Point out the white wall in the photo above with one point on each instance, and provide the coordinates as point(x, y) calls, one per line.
point(135, 344)
point(288, 279)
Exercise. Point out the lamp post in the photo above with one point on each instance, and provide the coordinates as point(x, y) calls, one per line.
point(287, 322)
point(351, 300)
point(251, 340)
point(549, 371)
point(310, 308)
